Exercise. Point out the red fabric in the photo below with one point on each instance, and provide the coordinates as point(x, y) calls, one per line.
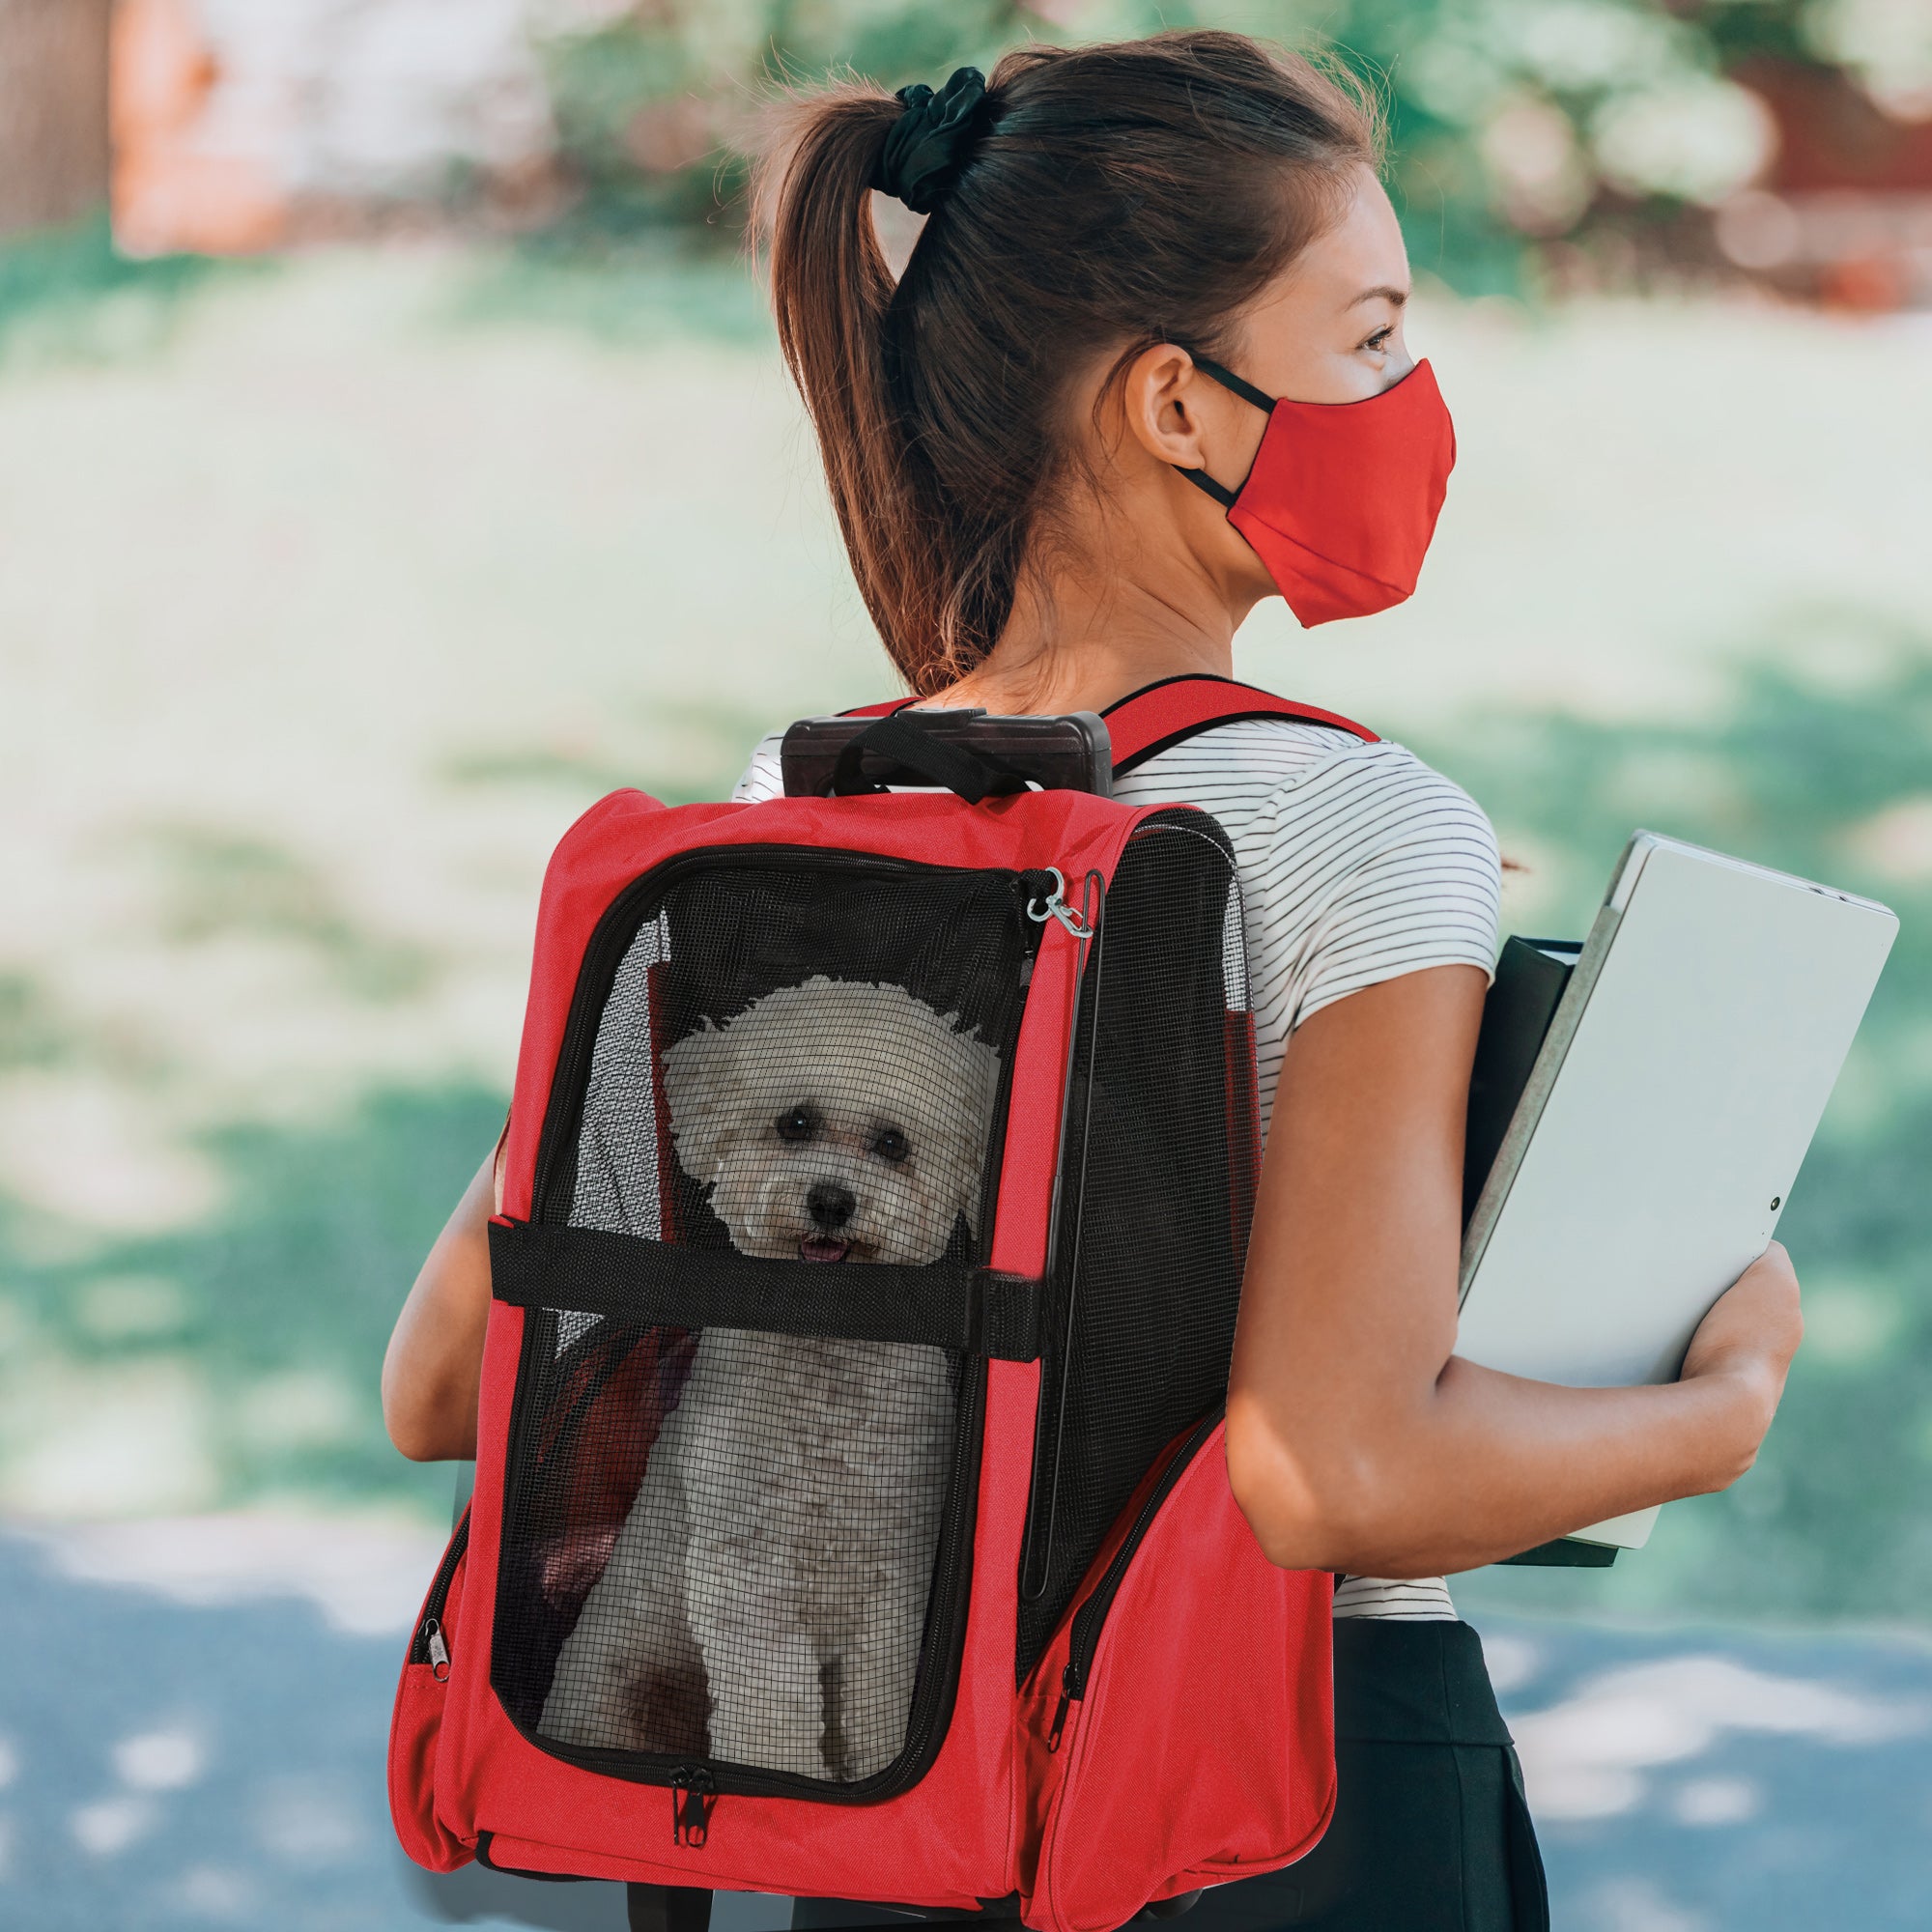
point(1216, 1666)
point(415, 1729)
point(1344, 496)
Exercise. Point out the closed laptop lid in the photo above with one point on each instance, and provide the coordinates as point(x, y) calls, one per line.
point(1667, 1114)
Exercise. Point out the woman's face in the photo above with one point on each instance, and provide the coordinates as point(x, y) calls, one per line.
point(1329, 330)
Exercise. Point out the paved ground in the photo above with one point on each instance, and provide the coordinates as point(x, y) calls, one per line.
point(193, 1720)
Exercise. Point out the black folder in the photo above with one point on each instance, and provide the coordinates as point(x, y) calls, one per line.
point(1531, 975)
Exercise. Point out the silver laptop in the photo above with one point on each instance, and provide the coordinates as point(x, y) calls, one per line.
point(1664, 1118)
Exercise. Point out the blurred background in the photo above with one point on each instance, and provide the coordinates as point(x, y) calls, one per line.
point(394, 456)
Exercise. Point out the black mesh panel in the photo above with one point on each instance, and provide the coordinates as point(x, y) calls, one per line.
point(1157, 1177)
point(725, 1546)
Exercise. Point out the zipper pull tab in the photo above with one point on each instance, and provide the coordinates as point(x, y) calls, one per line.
point(1068, 1693)
point(1054, 906)
point(692, 1798)
point(439, 1651)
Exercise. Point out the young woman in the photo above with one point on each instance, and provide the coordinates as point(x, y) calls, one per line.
point(1033, 439)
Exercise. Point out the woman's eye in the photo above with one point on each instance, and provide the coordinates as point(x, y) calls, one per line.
point(892, 1145)
point(1380, 339)
point(800, 1124)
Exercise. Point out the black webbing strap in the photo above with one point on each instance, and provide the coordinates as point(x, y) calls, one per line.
point(941, 1305)
point(1221, 494)
point(1240, 385)
point(1248, 393)
point(666, 1908)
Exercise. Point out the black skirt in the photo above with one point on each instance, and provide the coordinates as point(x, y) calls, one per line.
point(1430, 1833)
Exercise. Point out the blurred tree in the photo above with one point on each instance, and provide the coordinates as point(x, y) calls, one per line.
point(1534, 141)
point(53, 111)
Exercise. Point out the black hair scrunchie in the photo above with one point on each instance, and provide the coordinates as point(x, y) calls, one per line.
point(932, 140)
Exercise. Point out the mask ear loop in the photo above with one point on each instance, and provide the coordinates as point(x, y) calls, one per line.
point(1248, 393)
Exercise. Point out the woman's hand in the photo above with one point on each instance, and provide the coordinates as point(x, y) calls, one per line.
point(1751, 1335)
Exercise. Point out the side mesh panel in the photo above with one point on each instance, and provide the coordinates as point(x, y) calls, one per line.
point(1157, 1178)
point(721, 1545)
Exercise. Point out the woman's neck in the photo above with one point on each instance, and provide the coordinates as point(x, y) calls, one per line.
point(1081, 646)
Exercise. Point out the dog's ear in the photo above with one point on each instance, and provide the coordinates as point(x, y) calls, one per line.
point(696, 1077)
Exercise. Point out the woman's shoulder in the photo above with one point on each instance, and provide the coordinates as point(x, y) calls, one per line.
point(1258, 775)
point(1271, 773)
point(1359, 862)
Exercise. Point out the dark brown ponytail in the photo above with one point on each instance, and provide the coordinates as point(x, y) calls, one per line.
point(1119, 196)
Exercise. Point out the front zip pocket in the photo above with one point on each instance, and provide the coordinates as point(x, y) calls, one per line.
point(416, 1729)
point(1196, 1692)
point(1090, 1618)
point(430, 1643)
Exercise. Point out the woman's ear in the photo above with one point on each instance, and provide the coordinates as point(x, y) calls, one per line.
point(1182, 418)
point(1162, 399)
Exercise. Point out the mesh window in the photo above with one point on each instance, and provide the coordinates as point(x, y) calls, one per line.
point(722, 1544)
point(1157, 1185)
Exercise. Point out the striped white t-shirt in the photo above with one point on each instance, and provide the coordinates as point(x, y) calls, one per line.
point(1358, 863)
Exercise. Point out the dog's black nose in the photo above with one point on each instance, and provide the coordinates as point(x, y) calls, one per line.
point(830, 1205)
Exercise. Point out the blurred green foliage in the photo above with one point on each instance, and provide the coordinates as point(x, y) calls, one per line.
point(68, 293)
point(1583, 136)
point(282, 1304)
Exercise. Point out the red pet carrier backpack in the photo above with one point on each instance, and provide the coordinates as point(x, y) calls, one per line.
point(916, 1577)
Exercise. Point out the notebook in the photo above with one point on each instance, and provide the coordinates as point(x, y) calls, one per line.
point(1638, 1110)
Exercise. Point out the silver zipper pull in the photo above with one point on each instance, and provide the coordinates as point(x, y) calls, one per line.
point(439, 1651)
point(1055, 906)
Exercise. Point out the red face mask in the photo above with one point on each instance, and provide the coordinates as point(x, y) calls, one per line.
point(1344, 496)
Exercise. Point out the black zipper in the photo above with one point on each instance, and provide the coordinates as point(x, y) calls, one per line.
point(1036, 1569)
point(1092, 1616)
point(692, 1794)
point(430, 1634)
point(1035, 1574)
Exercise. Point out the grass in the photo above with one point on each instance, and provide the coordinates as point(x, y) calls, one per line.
point(277, 1310)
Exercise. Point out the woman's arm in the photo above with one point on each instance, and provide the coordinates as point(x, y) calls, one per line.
point(435, 1363)
point(1357, 1439)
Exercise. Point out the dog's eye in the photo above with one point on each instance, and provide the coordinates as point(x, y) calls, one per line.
point(891, 1144)
point(799, 1124)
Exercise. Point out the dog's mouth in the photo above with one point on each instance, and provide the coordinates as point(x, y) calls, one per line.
point(823, 1248)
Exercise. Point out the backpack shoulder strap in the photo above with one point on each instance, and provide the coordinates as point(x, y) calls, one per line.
point(1159, 715)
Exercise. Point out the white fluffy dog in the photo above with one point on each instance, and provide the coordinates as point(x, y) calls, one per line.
point(765, 1599)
